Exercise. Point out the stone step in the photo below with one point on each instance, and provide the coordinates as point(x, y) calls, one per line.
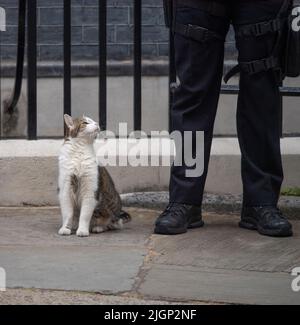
point(29, 169)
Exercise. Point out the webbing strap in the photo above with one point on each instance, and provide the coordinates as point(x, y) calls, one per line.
point(213, 7)
point(232, 72)
point(196, 33)
point(260, 29)
point(253, 67)
point(271, 62)
point(257, 66)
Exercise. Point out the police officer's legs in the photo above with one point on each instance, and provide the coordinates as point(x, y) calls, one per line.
point(199, 66)
point(258, 122)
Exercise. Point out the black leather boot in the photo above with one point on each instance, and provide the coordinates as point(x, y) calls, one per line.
point(177, 218)
point(268, 221)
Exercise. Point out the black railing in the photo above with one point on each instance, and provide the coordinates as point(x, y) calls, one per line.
point(13, 100)
point(137, 65)
point(28, 8)
point(32, 68)
point(67, 57)
point(103, 64)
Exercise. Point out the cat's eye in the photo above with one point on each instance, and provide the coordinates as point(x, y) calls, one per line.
point(85, 123)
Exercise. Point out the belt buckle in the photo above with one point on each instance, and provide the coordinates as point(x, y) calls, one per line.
point(251, 68)
point(266, 27)
point(256, 66)
point(259, 29)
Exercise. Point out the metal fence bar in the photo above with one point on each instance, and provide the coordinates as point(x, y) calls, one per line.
point(0, 87)
point(172, 71)
point(67, 57)
point(281, 115)
point(32, 68)
point(137, 65)
point(285, 91)
point(15, 96)
point(290, 91)
point(103, 64)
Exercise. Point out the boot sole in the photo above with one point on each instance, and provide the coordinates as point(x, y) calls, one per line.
point(198, 224)
point(161, 230)
point(251, 225)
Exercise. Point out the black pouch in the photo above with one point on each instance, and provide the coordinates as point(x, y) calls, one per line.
point(291, 66)
point(168, 11)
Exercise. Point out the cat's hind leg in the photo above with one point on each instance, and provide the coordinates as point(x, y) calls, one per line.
point(116, 225)
point(98, 229)
point(102, 220)
point(99, 225)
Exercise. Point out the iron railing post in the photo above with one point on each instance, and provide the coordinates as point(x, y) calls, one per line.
point(137, 65)
point(103, 64)
point(32, 68)
point(172, 69)
point(67, 57)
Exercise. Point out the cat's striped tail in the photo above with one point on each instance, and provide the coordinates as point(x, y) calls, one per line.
point(125, 216)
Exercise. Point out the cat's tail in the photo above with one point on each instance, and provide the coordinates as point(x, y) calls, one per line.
point(125, 216)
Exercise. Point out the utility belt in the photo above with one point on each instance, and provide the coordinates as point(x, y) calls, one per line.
point(285, 56)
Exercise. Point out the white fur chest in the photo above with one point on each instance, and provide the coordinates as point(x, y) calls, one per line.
point(79, 159)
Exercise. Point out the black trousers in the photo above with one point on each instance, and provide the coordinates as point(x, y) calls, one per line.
point(199, 68)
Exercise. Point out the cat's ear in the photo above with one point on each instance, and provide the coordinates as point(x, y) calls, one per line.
point(69, 121)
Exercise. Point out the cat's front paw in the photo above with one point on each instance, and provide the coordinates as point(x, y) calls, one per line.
point(82, 233)
point(63, 231)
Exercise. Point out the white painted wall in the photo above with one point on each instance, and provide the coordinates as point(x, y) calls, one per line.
point(120, 104)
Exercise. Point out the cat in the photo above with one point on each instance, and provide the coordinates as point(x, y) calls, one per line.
point(88, 198)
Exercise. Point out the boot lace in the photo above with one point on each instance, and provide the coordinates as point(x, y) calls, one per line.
point(176, 209)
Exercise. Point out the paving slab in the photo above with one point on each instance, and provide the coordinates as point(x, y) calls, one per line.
point(68, 268)
point(217, 285)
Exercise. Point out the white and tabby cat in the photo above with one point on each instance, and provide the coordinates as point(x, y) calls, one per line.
point(88, 198)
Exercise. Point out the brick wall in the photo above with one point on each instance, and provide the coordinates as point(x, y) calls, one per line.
point(85, 30)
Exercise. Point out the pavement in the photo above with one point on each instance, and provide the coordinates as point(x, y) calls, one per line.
point(217, 264)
